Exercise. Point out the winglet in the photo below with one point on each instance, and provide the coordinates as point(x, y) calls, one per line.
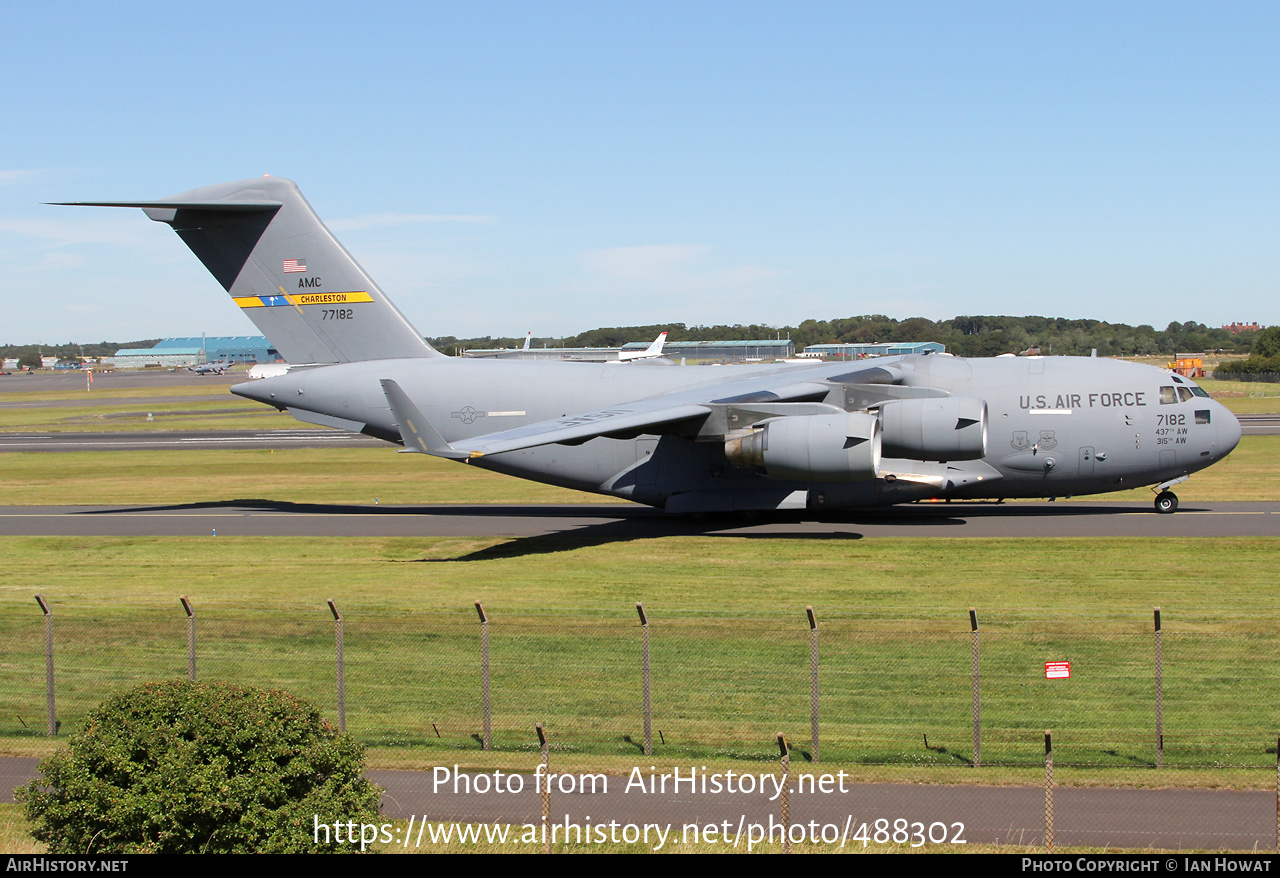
point(415, 429)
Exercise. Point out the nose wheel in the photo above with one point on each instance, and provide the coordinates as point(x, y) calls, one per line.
point(1166, 502)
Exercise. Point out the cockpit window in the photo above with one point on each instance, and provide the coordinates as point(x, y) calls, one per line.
point(1184, 394)
point(1168, 396)
point(1199, 391)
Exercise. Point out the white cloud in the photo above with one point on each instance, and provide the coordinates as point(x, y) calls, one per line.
point(16, 176)
point(69, 232)
point(649, 262)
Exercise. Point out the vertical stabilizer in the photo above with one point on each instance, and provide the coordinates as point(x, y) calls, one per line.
point(263, 242)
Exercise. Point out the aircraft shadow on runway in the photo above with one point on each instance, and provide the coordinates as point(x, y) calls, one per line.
point(611, 532)
point(606, 524)
point(921, 513)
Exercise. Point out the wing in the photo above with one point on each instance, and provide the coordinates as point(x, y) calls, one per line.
point(649, 414)
point(688, 410)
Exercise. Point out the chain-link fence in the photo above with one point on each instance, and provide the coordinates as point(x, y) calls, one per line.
point(1160, 696)
point(1117, 693)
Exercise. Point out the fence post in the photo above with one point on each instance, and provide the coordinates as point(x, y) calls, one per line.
point(342, 671)
point(1048, 789)
point(644, 661)
point(486, 740)
point(813, 680)
point(48, 666)
point(1159, 693)
point(785, 751)
point(546, 788)
point(977, 692)
point(191, 638)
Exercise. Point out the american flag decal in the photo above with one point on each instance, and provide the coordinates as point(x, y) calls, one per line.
point(294, 266)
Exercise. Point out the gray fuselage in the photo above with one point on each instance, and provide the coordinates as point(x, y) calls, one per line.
point(1056, 426)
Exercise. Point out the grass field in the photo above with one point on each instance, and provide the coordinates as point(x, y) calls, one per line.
point(729, 638)
point(358, 475)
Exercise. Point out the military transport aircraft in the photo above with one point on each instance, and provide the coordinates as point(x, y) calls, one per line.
point(689, 440)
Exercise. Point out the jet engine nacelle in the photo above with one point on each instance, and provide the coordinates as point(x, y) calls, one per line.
point(841, 447)
point(935, 428)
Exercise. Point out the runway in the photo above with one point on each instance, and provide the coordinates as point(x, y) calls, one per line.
point(619, 521)
point(1259, 425)
point(186, 439)
point(948, 815)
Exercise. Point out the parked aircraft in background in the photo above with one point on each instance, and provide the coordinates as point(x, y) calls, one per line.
point(210, 368)
point(573, 355)
point(815, 436)
point(652, 352)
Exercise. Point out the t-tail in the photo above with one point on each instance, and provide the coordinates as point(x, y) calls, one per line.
point(264, 243)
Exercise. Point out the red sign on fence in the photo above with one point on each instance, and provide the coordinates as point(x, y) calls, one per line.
point(1057, 670)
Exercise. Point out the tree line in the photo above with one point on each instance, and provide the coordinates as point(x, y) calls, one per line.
point(966, 336)
point(1264, 356)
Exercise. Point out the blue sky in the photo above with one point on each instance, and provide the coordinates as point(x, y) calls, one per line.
point(551, 167)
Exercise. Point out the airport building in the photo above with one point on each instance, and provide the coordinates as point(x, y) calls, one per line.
point(157, 358)
point(228, 348)
point(881, 349)
point(171, 353)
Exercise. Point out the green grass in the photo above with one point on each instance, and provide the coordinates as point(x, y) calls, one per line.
point(1244, 397)
point(170, 408)
point(199, 414)
point(15, 832)
point(358, 475)
point(293, 475)
point(730, 644)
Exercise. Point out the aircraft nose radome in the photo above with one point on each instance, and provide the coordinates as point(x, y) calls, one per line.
point(1228, 432)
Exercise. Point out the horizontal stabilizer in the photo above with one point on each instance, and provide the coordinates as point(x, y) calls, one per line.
point(169, 204)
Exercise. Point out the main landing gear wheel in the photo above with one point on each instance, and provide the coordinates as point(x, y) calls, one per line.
point(1166, 502)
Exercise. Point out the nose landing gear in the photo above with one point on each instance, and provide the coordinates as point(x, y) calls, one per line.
point(1166, 500)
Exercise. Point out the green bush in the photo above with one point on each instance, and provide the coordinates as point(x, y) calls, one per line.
point(191, 767)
